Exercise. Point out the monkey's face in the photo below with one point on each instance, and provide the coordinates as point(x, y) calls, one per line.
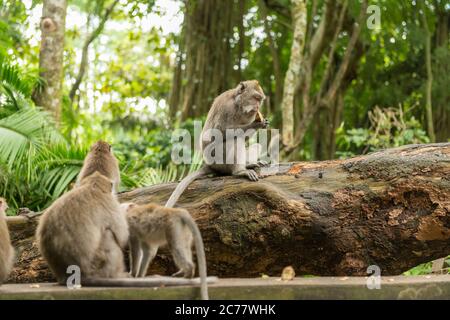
point(249, 98)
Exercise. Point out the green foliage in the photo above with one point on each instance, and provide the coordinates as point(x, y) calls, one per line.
point(425, 268)
point(388, 128)
point(25, 137)
point(421, 269)
point(170, 173)
point(15, 88)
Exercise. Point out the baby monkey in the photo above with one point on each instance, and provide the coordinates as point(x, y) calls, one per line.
point(152, 226)
point(6, 250)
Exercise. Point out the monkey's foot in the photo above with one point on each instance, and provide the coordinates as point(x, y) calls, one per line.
point(251, 174)
point(259, 164)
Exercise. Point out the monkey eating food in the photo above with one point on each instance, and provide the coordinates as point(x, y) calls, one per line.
point(237, 108)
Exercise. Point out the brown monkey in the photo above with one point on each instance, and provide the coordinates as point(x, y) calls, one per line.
point(101, 158)
point(237, 108)
point(152, 226)
point(85, 227)
point(6, 250)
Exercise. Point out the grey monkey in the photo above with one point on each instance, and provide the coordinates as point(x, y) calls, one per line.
point(236, 108)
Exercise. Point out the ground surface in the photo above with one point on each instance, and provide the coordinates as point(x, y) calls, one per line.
point(399, 287)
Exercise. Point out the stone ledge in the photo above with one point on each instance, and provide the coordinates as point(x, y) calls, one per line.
point(399, 287)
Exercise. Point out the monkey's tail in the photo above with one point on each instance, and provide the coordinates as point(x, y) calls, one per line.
point(184, 184)
point(155, 281)
point(200, 251)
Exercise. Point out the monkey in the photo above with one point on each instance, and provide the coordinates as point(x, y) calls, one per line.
point(6, 249)
point(101, 158)
point(236, 108)
point(152, 226)
point(87, 227)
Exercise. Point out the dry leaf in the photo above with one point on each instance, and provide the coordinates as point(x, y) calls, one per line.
point(288, 273)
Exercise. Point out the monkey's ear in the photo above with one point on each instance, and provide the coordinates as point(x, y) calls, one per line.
point(241, 87)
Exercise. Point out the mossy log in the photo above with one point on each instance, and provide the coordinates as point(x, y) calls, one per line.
point(389, 208)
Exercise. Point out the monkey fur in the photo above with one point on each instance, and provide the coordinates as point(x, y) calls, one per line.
point(152, 226)
point(101, 158)
point(236, 108)
point(85, 227)
point(6, 249)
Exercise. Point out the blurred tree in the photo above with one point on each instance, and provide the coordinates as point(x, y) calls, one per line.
point(84, 55)
point(292, 74)
point(205, 62)
point(429, 86)
point(53, 23)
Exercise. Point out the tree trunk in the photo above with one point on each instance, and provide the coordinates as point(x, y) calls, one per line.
point(390, 208)
point(53, 23)
point(274, 54)
point(292, 74)
point(441, 112)
point(429, 86)
point(206, 36)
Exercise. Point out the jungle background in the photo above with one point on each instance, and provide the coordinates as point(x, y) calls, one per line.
point(131, 72)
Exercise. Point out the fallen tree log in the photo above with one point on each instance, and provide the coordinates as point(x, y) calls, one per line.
point(389, 208)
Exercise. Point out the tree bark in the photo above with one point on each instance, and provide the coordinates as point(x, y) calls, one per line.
point(309, 109)
point(53, 22)
point(389, 208)
point(274, 54)
point(293, 71)
point(205, 41)
point(429, 86)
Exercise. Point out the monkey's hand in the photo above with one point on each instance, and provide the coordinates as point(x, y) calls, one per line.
point(261, 124)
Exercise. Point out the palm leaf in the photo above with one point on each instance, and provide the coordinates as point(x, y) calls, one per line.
point(58, 166)
point(24, 134)
point(11, 80)
point(170, 173)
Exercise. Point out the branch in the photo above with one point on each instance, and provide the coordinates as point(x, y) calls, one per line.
point(292, 74)
point(84, 55)
point(274, 52)
point(332, 51)
point(348, 54)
